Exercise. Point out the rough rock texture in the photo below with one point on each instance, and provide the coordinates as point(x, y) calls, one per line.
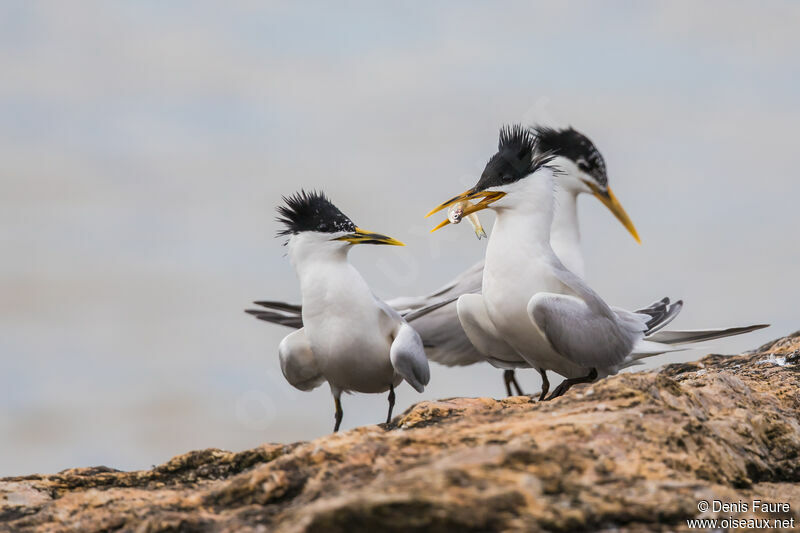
point(633, 452)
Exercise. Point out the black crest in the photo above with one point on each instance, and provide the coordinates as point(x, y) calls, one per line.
point(518, 155)
point(577, 147)
point(312, 211)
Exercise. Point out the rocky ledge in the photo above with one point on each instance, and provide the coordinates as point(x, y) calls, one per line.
point(636, 452)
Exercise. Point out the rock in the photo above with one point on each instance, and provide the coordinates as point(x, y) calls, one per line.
point(634, 452)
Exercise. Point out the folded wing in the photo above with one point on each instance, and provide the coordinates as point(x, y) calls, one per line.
point(408, 357)
point(581, 335)
point(297, 362)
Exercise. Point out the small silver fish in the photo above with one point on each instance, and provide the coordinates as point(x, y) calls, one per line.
point(456, 212)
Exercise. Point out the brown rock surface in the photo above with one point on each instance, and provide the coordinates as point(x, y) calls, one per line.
point(634, 452)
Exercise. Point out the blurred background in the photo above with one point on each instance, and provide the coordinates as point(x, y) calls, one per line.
point(145, 145)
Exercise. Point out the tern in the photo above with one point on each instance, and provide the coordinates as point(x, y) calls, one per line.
point(532, 310)
point(581, 170)
point(349, 338)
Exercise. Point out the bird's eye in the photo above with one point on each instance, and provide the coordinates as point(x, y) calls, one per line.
point(583, 166)
point(507, 178)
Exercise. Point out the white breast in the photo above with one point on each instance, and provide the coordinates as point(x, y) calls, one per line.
point(348, 333)
point(517, 267)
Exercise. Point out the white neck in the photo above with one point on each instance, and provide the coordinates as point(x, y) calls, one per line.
point(565, 235)
point(306, 253)
point(565, 221)
point(524, 219)
point(531, 199)
point(323, 270)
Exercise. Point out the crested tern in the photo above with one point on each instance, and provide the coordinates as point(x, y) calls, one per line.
point(582, 170)
point(532, 310)
point(350, 338)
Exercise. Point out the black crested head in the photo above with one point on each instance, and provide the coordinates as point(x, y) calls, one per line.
point(576, 147)
point(518, 155)
point(311, 211)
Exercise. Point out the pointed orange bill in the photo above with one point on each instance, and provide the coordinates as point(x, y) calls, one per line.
point(613, 205)
point(487, 198)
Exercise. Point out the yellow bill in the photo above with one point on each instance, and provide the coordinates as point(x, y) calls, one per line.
point(611, 202)
point(360, 236)
point(487, 198)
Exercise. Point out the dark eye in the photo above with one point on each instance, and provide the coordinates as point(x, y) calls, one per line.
point(507, 178)
point(583, 166)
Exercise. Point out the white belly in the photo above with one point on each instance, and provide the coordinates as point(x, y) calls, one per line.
point(352, 360)
point(349, 334)
point(508, 285)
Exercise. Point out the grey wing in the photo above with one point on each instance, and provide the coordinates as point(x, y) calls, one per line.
point(408, 357)
point(444, 340)
point(583, 336)
point(298, 364)
point(467, 282)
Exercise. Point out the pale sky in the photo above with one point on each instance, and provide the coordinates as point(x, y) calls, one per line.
point(145, 145)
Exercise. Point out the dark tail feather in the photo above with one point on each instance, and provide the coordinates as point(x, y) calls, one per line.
point(655, 307)
point(291, 321)
point(661, 313)
point(280, 306)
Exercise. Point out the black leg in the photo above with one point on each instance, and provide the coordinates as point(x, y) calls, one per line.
point(567, 383)
point(338, 414)
point(508, 377)
point(516, 384)
point(545, 384)
point(391, 403)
